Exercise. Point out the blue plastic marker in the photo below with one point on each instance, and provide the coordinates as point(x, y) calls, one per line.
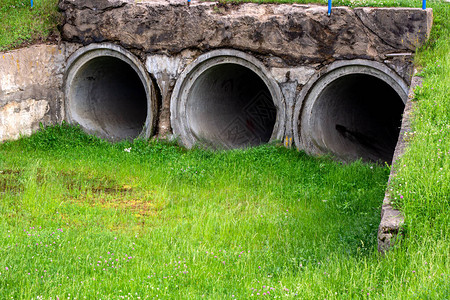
point(329, 7)
point(189, 2)
point(31, 3)
point(424, 4)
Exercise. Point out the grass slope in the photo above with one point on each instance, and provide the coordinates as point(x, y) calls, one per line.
point(19, 23)
point(81, 217)
point(172, 218)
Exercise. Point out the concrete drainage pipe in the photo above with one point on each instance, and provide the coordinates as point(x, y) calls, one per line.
point(227, 99)
point(353, 111)
point(109, 93)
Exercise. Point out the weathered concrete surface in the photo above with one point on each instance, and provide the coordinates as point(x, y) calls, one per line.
point(31, 88)
point(22, 118)
point(294, 42)
point(165, 70)
point(396, 28)
point(352, 109)
point(294, 33)
point(227, 99)
point(392, 219)
point(109, 93)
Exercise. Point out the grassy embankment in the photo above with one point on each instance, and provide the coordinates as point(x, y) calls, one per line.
point(20, 24)
point(82, 216)
point(187, 224)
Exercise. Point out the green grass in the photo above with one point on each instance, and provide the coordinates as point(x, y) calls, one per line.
point(281, 221)
point(421, 188)
point(19, 23)
point(191, 224)
point(235, 220)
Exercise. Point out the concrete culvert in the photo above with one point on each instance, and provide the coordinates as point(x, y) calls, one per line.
point(226, 102)
point(231, 106)
point(109, 94)
point(354, 113)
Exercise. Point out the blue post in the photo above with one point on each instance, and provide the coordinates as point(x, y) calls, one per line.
point(329, 7)
point(424, 4)
point(31, 3)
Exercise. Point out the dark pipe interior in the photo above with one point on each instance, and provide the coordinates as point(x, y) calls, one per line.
point(230, 106)
point(109, 98)
point(358, 116)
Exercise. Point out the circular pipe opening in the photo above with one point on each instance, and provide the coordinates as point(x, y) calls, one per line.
point(108, 95)
point(225, 99)
point(229, 105)
point(353, 113)
point(356, 116)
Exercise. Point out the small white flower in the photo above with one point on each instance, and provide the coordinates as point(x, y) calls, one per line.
point(127, 150)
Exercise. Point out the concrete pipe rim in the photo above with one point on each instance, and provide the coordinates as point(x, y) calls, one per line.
point(86, 55)
point(204, 63)
point(305, 101)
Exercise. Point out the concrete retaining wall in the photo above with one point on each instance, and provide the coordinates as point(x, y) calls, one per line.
point(224, 76)
point(31, 88)
point(283, 53)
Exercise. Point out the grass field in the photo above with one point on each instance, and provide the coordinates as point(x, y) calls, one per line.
point(20, 24)
point(82, 218)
